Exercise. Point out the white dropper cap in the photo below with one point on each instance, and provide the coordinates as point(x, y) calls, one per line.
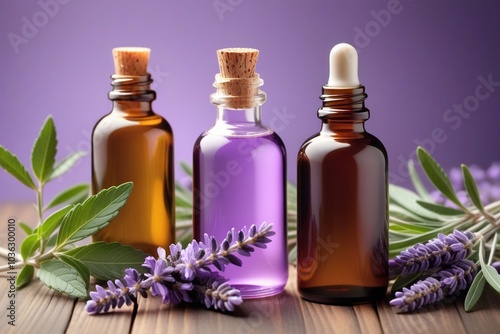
point(343, 66)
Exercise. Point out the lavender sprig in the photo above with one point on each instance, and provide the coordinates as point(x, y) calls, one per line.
point(443, 250)
point(185, 275)
point(446, 282)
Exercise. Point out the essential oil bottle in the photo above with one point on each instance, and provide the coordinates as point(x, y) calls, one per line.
point(132, 143)
point(239, 175)
point(342, 196)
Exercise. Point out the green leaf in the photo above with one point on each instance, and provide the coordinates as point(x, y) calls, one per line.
point(475, 291)
point(63, 277)
point(73, 195)
point(53, 221)
point(471, 187)
point(437, 176)
point(417, 182)
point(107, 260)
point(441, 209)
point(29, 246)
point(11, 164)
point(490, 273)
point(44, 151)
point(26, 229)
point(186, 168)
point(87, 218)
point(79, 266)
point(25, 276)
point(66, 164)
point(407, 200)
point(292, 255)
point(182, 199)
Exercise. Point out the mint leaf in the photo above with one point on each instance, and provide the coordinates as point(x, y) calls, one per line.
point(53, 221)
point(475, 291)
point(25, 276)
point(63, 277)
point(79, 266)
point(441, 209)
point(437, 176)
point(73, 195)
point(11, 164)
point(66, 164)
point(107, 260)
point(29, 246)
point(471, 187)
point(87, 218)
point(44, 151)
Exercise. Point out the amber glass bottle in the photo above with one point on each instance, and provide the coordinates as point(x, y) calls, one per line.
point(132, 143)
point(342, 205)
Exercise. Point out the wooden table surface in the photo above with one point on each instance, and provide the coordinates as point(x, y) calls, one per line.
point(41, 310)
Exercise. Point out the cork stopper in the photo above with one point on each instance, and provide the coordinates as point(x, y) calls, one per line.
point(131, 60)
point(237, 78)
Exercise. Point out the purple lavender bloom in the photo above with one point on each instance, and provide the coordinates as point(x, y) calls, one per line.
point(443, 250)
point(496, 265)
point(135, 283)
point(448, 281)
point(178, 292)
point(159, 273)
point(215, 292)
point(493, 172)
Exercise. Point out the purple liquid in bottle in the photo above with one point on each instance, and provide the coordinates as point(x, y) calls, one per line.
point(240, 181)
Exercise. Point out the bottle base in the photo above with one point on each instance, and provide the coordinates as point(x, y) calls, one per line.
point(258, 291)
point(342, 294)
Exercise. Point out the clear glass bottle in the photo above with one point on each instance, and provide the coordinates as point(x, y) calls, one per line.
point(342, 205)
point(239, 179)
point(132, 143)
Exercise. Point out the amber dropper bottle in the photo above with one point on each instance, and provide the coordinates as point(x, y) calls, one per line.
point(342, 232)
point(132, 143)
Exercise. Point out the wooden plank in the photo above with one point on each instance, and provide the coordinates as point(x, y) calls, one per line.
point(485, 316)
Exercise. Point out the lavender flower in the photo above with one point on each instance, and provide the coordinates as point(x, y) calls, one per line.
point(443, 250)
point(185, 274)
point(446, 282)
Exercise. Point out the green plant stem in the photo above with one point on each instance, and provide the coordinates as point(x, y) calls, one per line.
point(4, 252)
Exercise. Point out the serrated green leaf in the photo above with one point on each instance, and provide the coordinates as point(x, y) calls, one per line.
point(53, 221)
point(66, 164)
point(25, 276)
point(29, 246)
point(108, 260)
point(417, 182)
point(471, 187)
point(72, 195)
point(87, 218)
point(404, 282)
point(186, 168)
point(62, 277)
point(79, 266)
point(490, 273)
point(475, 291)
point(407, 200)
point(437, 176)
point(11, 164)
point(26, 229)
point(44, 151)
point(441, 209)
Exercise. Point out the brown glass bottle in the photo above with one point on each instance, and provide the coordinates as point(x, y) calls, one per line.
point(132, 143)
point(342, 205)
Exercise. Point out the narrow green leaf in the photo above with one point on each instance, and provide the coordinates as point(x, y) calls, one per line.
point(186, 168)
point(292, 255)
point(493, 248)
point(11, 164)
point(471, 187)
point(417, 182)
point(62, 277)
point(107, 260)
point(475, 291)
point(409, 226)
point(79, 266)
point(44, 151)
point(441, 209)
point(73, 195)
point(490, 273)
point(182, 199)
point(29, 246)
point(404, 282)
point(26, 229)
point(25, 276)
point(437, 176)
point(408, 200)
point(53, 221)
point(66, 164)
point(96, 212)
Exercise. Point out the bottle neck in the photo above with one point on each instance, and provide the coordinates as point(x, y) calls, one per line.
point(132, 94)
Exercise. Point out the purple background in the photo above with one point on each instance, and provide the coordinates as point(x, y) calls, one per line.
point(416, 64)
